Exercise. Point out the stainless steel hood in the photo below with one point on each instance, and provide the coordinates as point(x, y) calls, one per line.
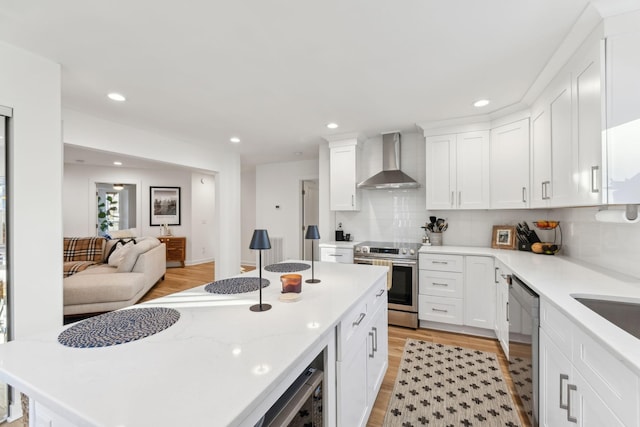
point(391, 177)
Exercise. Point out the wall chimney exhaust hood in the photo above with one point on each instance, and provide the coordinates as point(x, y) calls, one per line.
point(391, 177)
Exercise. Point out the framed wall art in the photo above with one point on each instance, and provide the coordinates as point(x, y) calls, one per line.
point(165, 206)
point(504, 237)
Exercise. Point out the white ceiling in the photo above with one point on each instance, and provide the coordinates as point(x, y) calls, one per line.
point(274, 73)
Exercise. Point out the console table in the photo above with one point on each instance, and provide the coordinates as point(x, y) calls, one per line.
point(176, 248)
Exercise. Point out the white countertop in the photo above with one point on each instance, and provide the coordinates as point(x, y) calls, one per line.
point(557, 279)
point(336, 244)
point(212, 367)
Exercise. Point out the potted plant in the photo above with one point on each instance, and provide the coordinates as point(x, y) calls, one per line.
point(105, 213)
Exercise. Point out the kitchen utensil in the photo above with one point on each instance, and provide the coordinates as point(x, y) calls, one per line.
point(432, 219)
point(439, 223)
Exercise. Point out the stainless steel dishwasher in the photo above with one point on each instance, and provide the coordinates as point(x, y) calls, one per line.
point(524, 321)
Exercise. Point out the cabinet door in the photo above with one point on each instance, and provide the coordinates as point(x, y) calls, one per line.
point(342, 179)
point(472, 170)
point(555, 374)
point(563, 186)
point(623, 114)
point(377, 352)
point(540, 157)
point(353, 396)
point(588, 114)
point(502, 320)
point(510, 165)
point(479, 298)
point(441, 174)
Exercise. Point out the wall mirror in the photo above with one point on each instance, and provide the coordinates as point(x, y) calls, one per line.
point(116, 207)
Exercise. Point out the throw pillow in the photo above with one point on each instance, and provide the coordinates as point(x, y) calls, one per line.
point(119, 251)
point(143, 244)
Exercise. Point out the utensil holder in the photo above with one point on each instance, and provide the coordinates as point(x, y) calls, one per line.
point(436, 239)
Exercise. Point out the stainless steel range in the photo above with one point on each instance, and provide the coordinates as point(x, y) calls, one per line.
point(403, 295)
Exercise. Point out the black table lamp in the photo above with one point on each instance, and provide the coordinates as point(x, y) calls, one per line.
point(312, 234)
point(260, 241)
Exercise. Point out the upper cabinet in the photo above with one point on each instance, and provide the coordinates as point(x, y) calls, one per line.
point(510, 165)
point(457, 167)
point(622, 176)
point(343, 174)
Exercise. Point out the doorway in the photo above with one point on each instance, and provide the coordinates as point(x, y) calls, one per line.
point(310, 215)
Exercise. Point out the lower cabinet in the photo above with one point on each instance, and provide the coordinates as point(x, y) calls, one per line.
point(336, 254)
point(362, 358)
point(581, 383)
point(479, 306)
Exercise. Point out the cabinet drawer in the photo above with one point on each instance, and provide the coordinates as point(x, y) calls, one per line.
point(440, 309)
point(352, 325)
point(441, 262)
point(441, 283)
point(616, 385)
point(342, 255)
point(557, 326)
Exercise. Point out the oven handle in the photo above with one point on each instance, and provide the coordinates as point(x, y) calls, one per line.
point(396, 262)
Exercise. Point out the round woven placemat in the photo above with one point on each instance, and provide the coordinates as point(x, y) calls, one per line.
point(235, 285)
point(118, 327)
point(287, 267)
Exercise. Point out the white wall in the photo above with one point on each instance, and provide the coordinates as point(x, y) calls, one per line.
point(200, 244)
point(248, 205)
point(31, 86)
point(91, 132)
point(280, 184)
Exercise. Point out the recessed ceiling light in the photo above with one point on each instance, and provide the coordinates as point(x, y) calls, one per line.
point(117, 163)
point(235, 140)
point(332, 125)
point(481, 103)
point(116, 97)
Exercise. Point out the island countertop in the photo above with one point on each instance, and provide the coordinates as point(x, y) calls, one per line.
point(214, 366)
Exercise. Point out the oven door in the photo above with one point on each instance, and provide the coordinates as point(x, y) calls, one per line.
point(403, 294)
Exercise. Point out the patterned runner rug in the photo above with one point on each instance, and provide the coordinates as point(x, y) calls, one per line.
point(441, 385)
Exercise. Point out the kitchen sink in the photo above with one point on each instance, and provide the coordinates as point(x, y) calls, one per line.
point(625, 315)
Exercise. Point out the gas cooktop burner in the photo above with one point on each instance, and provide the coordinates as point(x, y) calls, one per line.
point(387, 250)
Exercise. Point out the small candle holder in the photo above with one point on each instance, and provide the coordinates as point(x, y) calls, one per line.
point(291, 283)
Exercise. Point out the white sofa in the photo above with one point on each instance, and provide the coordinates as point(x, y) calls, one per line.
point(101, 287)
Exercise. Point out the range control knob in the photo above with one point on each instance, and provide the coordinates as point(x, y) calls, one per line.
point(412, 252)
point(357, 249)
point(404, 251)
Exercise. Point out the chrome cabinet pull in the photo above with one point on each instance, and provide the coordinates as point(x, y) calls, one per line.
point(524, 194)
point(439, 310)
point(451, 200)
point(352, 200)
point(372, 346)
point(562, 378)
point(594, 179)
point(507, 311)
point(495, 275)
point(570, 387)
point(440, 262)
point(439, 284)
point(375, 342)
point(336, 255)
point(379, 294)
point(357, 322)
point(459, 198)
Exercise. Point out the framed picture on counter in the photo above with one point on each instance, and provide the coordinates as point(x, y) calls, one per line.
point(504, 237)
point(165, 206)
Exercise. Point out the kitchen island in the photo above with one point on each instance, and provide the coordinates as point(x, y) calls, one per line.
point(220, 364)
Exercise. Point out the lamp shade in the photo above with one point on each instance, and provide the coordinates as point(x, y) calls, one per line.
point(260, 240)
point(312, 233)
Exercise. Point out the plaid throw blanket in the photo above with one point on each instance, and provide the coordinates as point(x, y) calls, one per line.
point(83, 249)
point(73, 267)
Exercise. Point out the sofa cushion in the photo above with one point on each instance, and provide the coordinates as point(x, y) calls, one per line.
point(119, 234)
point(73, 267)
point(143, 244)
point(83, 248)
point(119, 251)
point(84, 288)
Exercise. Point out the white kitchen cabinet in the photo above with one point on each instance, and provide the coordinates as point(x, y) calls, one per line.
point(581, 383)
point(441, 288)
point(552, 164)
point(501, 325)
point(622, 182)
point(336, 254)
point(457, 168)
point(343, 175)
point(510, 165)
point(362, 357)
point(588, 114)
point(479, 307)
